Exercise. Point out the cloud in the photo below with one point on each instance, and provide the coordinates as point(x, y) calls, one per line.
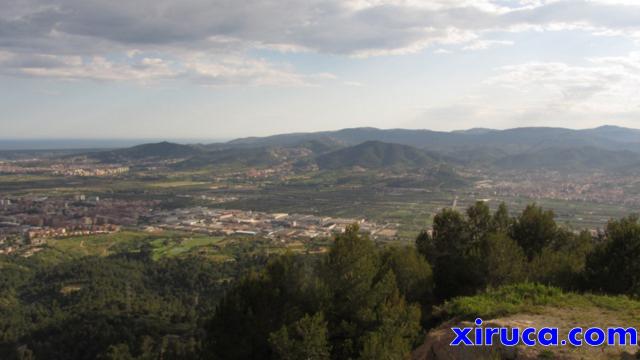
point(103, 32)
point(486, 44)
point(77, 67)
point(196, 68)
point(241, 71)
point(601, 78)
point(442, 51)
point(602, 90)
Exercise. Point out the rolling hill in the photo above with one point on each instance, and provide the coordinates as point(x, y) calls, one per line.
point(376, 155)
point(606, 147)
point(161, 150)
point(511, 141)
point(577, 159)
point(241, 157)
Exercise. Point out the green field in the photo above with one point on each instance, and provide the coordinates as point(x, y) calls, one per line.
point(57, 250)
point(177, 247)
point(178, 183)
point(163, 245)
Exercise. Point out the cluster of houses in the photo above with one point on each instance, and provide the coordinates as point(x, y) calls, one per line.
point(280, 226)
point(38, 236)
point(62, 168)
point(26, 221)
point(93, 171)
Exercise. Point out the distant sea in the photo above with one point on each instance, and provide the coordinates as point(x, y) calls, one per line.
point(67, 144)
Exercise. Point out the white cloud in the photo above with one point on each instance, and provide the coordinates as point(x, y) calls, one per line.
point(601, 90)
point(197, 68)
point(442, 51)
point(352, 83)
point(605, 88)
point(173, 30)
point(602, 77)
point(486, 44)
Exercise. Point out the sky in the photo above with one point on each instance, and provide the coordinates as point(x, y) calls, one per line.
point(220, 69)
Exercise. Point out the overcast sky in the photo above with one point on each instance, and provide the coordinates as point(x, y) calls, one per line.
point(221, 69)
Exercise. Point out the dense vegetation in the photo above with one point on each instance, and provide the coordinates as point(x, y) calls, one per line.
point(478, 249)
point(355, 302)
point(510, 140)
point(359, 300)
point(104, 307)
point(576, 159)
point(158, 150)
point(375, 155)
point(604, 148)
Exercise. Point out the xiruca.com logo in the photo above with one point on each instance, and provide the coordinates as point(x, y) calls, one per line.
point(546, 336)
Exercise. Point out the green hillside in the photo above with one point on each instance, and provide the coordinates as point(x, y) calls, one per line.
point(163, 149)
point(376, 155)
point(255, 157)
point(583, 158)
point(512, 141)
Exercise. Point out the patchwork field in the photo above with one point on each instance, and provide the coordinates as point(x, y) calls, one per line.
point(162, 245)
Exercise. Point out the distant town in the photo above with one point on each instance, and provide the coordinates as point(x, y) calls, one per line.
point(29, 222)
point(34, 166)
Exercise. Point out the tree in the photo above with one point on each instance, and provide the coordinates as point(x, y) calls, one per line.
point(305, 339)
point(456, 258)
point(395, 336)
point(261, 304)
point(534, 229)
point(425, 246)
point(23, 353)
point(450, 233)
point(614, 266)
point(479, 223)
point(501, 221)
point(117, 352)
point(265, 316)
point(413, 273)
point(365, 297)
point(349, 270)
point(562, 262)
point(414, 277)
point(504, 260)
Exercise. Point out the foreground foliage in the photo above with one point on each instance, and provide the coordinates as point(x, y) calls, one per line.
point(476, 250)
point(346, 305)
point(97, 307)
point(358, 301)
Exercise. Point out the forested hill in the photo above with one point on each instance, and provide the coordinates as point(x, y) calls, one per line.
point(377, 154)
point(161, 150)
point(604, 148)
point(583, 158)
point(510, 140)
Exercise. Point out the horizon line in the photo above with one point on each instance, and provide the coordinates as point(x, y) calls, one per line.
point(230, 138)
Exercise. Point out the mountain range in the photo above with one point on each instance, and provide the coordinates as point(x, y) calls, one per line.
point(377, 154)
point(511, 140)
point(606, 147)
